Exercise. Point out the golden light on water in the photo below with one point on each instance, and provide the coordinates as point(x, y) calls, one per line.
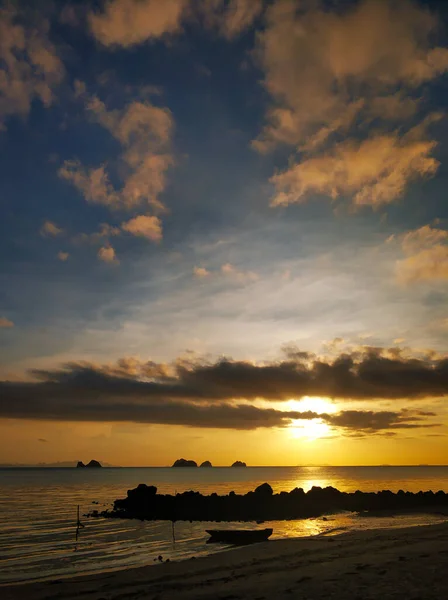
point(310, 429)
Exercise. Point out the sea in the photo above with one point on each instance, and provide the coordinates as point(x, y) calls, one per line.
point(38, 513)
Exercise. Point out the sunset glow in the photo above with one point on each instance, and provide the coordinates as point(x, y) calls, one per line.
point(224, 232)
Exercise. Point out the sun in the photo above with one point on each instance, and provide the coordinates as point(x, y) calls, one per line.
point(310, 429)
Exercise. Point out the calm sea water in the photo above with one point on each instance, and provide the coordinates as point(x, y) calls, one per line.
point(38, 513)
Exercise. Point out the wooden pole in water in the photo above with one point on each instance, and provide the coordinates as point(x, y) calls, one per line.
point(174, 537)
point(78, 524)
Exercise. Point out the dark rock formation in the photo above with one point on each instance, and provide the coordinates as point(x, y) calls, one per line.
point(262, 504)
point(181, 462)
point(238, 463)
point(93, 464)
point(206, 463)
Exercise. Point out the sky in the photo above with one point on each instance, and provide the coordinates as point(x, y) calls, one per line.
point(224, 231)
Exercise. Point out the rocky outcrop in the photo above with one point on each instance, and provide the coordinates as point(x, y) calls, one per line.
point(93, 464)
point(181, 462)
point(238, 463)
point(206, 463)
point(262, 504)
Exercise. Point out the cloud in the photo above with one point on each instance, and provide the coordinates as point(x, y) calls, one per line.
point(63, 256)
point(5, 323)
point(144, 131)
point(43, 440)
point(130, 22)
point(426, 251)
point(363, 374)
point(105, 232)
point(345, 88)
point(231, 271)
point(373, 172)
point(144, 226)
point(371, 421)
point(29, 66)
point(201, 272)
point(126, 23)
point(228, 17)
point(50, 229)
point(85, 392)
point(107, 254)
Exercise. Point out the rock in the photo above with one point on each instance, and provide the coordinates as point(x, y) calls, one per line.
point(239, 463)
point(145, 503)
point(206, 463)
point(80, 465)
point(181, 462)
point(264, 490)
point(93, 464)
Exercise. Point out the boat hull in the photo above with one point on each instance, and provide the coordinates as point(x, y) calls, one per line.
point(238, 537)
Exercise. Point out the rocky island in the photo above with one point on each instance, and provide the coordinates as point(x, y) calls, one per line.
point(262, 504)
point(182, 462)
point(93, 464)
point(239, 463)
point(206, 463)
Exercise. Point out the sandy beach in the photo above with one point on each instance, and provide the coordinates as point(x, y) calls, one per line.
point(396, 563)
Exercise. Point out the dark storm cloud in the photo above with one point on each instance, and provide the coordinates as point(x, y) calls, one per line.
point(203, 395)
point(371, 421)
point(368, 374)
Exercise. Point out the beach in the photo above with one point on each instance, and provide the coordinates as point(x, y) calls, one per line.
point(395, 563)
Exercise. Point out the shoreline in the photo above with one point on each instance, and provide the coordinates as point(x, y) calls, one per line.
point(401, 563)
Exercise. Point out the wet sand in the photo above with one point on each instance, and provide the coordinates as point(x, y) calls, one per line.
point(407, 563)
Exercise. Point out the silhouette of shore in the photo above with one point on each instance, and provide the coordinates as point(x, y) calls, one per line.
point(388, 563)
point(262, 504)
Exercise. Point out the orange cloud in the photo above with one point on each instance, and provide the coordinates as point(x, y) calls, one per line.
point(107, 254)
point(328, 72)
point(243, 276)
point(144, 131)
point(99, 237)
point(63, 256)
point(201, 272)
point(5, 323)
point(50, 229)
point(427, 256)
point(144, 226)
point(229, 18)
point(29, 66)
point(130, 22)
point(374, 171)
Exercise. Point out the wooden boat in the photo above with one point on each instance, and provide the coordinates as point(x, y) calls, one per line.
point(238, 536)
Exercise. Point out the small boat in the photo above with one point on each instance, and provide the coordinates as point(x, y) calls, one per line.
point(238, 536)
